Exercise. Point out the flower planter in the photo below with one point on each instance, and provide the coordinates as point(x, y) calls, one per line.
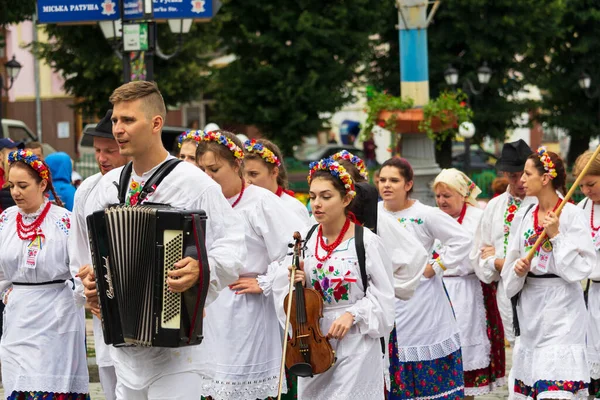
point(408, 121)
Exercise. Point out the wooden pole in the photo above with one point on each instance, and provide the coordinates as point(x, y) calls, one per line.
point(568, 196)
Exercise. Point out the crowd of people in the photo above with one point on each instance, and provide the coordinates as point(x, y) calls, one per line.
point(418, 302)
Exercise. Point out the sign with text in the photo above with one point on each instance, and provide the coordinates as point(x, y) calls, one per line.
point(73, 11)
point(135, 37)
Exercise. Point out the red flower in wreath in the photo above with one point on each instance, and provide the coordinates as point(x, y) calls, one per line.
point(339, 291)
point(510, 217)
point(553, 387)
point(381, 124)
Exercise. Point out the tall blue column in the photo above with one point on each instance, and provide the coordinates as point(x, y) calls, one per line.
point(417, 148)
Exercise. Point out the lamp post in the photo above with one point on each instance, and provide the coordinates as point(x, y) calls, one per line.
point(585, 83)
point(467, 129)
point(13, 67)
point(113, 33)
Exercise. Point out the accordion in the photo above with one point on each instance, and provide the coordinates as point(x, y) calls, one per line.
point(133, 249)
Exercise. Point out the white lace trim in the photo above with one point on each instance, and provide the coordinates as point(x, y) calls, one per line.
point(479, 391)
point(249, 390)
point(550, 363)
point(367, 392)
point(52, 383)
point(437, 396)
point(481, 361)
point(559, 394)
point(429, 352)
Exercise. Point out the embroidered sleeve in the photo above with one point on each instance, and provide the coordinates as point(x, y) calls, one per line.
point(3, 219)
point(64, 223)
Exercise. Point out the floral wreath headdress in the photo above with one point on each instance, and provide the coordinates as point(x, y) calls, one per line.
point(30, 159)
point(357, 161)
point(335, 169)
point(547, 162)
point(258, 148)
point(196, 135)
point(218, 137)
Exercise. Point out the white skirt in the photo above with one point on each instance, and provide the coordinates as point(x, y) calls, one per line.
point(358, 372)
point(466, 295)
point(553, 322)
point(593, 331)
point(43, 341)
point(241, 348)
point(425, 324)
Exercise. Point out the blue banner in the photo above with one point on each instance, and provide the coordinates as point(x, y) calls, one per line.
point(72, 11)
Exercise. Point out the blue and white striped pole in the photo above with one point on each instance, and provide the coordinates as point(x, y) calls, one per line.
point(418, 149)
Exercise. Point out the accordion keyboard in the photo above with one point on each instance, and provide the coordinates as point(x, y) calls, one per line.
point(171, 311)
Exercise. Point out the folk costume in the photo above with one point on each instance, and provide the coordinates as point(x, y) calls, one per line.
point(242, 344)
point(148, 372)
point(358, 372)
point(42, 352)
point(79, 255)
point(474, 303)
point(427, 353)
point(591, 212)
point(549, 359)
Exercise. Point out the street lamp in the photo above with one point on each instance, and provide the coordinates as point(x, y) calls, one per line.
point(484, 74)
point(467, 131)
point(13, 67)
point(585, 83)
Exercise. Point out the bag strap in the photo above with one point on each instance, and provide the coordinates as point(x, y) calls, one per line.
point(157, 177)
point(124, 181)
point(515, 299)
point(152, 183)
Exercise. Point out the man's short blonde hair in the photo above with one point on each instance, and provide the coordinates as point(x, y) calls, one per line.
point(153, 101)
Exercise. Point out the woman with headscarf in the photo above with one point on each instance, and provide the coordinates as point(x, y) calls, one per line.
point(474, 303)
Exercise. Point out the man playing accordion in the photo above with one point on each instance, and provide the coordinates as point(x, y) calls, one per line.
point(138, 116)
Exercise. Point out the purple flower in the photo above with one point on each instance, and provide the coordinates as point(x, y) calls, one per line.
point(325, 283)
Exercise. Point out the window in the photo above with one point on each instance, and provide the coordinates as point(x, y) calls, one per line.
point(18, 134)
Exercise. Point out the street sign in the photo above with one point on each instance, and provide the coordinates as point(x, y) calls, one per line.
point(73, 11)
point(135, 37)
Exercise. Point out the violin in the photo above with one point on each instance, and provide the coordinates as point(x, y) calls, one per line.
point(307, 352)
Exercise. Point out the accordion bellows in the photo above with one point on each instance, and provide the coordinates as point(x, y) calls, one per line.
point(133, 249)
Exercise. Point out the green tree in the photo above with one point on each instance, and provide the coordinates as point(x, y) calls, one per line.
point(12, 11)
point(558, 67)
point(92, 71)
point(295, 59)
point(466, 33)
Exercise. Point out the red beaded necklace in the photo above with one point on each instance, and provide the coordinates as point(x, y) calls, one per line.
point(538, 229)
point(331, 247)
point(235, 203)
point(32, 231)
point(462, 213)
point(594, 228)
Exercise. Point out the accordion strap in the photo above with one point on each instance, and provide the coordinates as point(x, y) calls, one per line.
point(152, 183)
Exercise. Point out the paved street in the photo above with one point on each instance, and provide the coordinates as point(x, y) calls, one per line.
point(96, 390)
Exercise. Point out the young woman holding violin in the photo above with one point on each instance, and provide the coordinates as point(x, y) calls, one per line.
point(241, 346)
point(549, 359)
point(264, 167)
point(426, 360)
point(354, 317)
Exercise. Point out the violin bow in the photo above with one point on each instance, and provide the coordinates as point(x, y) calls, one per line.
point(295, 264)
point(566, 199)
